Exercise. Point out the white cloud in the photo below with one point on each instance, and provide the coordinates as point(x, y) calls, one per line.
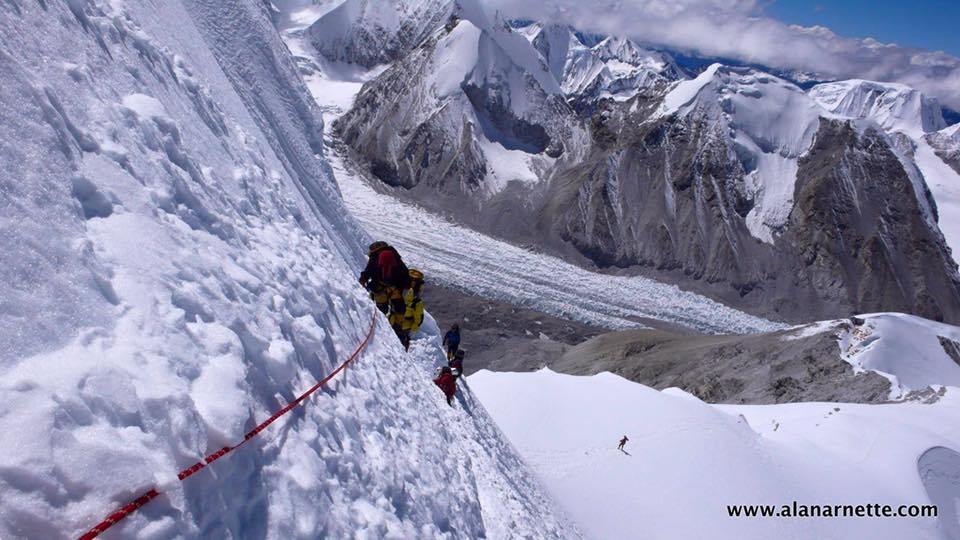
point(739, 29)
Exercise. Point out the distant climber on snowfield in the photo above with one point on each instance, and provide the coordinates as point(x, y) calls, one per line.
point(386, 277)
point(456, 364)
point(448, 383)
point(452, 341)
point(623, 441)
point(413, 317)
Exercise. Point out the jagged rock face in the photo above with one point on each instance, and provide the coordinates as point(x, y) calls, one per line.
point(671, 198)
point(633, 204)
point(861, 232)
point(369, 33)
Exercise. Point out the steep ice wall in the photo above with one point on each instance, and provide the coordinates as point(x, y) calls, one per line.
point(178, 264)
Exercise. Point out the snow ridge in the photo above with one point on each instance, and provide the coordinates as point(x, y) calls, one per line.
point(893, 106)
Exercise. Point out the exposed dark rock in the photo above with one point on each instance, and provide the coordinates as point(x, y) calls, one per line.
point(774, 367)
point(951, 347)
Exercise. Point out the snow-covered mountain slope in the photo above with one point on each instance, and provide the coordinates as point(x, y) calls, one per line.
point(508, 272)
point(615, 68)
point(894, 107)
point(180, 265)
point(686, 461)
point(912, 353)
point(470, 112)
point(301, 13)
point(770, 123)
point(736, 184)
point(946, 143)
point(369, 33)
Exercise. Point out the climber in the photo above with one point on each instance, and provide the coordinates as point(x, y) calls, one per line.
point(623, 441)
point(447, 382)
point(452, 341)
point(386, 277)
point(456, 364)
point(413, 317)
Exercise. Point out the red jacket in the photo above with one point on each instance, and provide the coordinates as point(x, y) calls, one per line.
point(448, 383)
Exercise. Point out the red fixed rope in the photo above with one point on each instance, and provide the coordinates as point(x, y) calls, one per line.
point(142, 500)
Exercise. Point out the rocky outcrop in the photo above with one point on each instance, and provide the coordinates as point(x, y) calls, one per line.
point(861, 232)
point(776, 367)
point(669, 198)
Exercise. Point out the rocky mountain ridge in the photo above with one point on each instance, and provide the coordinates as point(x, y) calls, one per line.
point(793, 204)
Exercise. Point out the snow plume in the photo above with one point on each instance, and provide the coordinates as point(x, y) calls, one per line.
point(739, 29)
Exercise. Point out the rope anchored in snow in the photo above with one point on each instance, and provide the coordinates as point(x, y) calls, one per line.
point(142, 500)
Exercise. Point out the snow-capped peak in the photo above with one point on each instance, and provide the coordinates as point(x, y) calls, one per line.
point(951, 131)
point(770, 123)
point(514, 44)
point(615, 68)
point(553, 42)
point(373, 33)
point(895, 107)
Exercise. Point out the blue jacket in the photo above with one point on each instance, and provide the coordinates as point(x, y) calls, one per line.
point(452, 337)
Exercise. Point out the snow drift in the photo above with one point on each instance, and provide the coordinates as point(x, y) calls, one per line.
point(179, 265)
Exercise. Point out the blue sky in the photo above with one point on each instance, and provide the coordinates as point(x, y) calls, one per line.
point(761, 32)
point(927, 24)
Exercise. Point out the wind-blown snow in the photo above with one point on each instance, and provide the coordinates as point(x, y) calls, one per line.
point(178, 265)
point(687, 460)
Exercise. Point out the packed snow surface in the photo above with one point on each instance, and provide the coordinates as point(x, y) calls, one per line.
point(911, 352)
point(178, 265)
point(686, 460)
